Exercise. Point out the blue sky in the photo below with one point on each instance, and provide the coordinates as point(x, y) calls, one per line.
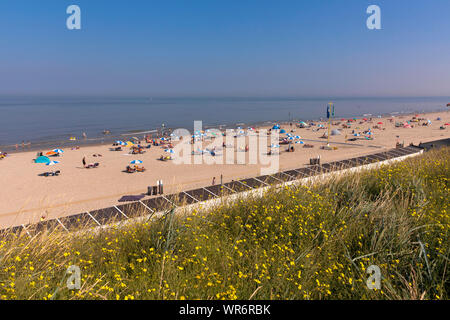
point(226, 48)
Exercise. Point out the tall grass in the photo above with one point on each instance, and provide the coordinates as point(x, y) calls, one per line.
point(306, 242)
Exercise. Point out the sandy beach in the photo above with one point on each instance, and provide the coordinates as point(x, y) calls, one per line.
point(28, 197)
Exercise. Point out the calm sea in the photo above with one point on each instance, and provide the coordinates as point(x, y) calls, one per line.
point(52, 120)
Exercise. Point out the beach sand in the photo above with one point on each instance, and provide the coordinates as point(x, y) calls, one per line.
point(27, 197)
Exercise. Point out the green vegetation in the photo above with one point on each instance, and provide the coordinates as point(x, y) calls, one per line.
point(305, 242)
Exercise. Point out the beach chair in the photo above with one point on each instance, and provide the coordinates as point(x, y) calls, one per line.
point(139, 169)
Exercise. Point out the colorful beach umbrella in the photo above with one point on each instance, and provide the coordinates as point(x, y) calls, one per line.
point(299, 142)
point(136, 162)
point(51, 153)
point(52, 163)
point(58, 151)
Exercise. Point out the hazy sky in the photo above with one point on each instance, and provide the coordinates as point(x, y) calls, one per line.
point(225, 47)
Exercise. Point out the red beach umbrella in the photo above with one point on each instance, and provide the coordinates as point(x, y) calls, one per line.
point(380, 123)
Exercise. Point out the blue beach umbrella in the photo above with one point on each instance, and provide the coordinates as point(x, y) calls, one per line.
point(52, 163)
point(283, 131)
point(136, 162)
point(42, 159)
point(169, 150)
point(299, 142)
point(58, 151)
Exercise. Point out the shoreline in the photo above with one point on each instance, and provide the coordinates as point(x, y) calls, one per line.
point(109, 139)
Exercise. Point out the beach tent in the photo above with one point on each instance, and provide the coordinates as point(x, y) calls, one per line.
point(335, 132)
point(42, 159)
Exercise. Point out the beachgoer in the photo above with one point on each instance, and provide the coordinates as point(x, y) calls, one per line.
point(214, 181)
point(84, 162)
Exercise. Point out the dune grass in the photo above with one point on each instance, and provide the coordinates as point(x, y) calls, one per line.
point(306, 242)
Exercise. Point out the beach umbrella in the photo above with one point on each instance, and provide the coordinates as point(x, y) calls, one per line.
point(275, 127)
point(380, 122)
point(169, 150)
point(136, 162)
point(275, 145)
point(42, 159)
point(283, 131)
point(58, 151)
point(51, 153)
point(299, 142)
point(447, 124)
point(290, 138)
point(52, 163)
point(298, 137)
point(129, 144)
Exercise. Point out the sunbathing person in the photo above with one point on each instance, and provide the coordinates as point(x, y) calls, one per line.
point(139, 169)
point(130, 169)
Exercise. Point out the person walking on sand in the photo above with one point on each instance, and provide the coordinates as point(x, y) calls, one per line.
point(84, 135)
point(214, 181)
point(84, 162)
